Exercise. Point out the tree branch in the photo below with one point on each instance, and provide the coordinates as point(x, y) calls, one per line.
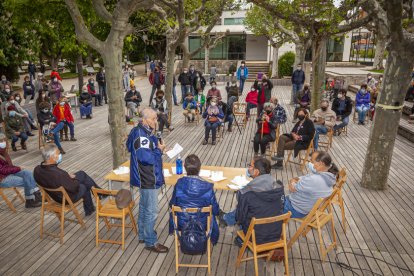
point(353, 25)
point(101, 10)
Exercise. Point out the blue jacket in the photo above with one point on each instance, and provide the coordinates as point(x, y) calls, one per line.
point(298, 77)
point(194, 192)
point(246, 72)
point(206, 116)
point(146, 159)
point(362, 100)
point(193, 104)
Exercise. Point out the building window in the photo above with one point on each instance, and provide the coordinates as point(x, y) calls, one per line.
point(231, 47)
point(234, 21)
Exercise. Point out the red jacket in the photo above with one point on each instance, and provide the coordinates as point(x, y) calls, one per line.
point(151, 78)
point(90, 91)
point(66, 112)
point(7, 169)
point(55, 74)
point(251, 97)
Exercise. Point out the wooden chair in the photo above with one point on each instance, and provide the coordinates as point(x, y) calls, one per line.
point(249, 240)
point(355, 118)
point(326, 143)
point(239, 111)
point(109, 210)
point(338, 200)
point(174, 210)
point(197, 117)
point(10, 202)
point(59, 209)
point(320, 215)
point(302, 159)
point(272, 150)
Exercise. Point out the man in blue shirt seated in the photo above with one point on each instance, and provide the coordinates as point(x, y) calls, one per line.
point(342, 106)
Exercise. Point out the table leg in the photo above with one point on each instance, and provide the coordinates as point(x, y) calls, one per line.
point(110, 184)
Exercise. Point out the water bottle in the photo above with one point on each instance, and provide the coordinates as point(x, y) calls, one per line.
point(179, 165)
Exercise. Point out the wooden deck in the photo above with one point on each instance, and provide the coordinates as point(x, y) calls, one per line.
point(380, 234)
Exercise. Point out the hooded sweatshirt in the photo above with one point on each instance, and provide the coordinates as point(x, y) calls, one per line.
point(310, 188)
point(261, 198)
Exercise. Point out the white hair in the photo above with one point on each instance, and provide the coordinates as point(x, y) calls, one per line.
point(48, 151)
point(147, 112)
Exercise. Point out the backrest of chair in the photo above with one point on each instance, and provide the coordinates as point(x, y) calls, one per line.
point(341, 180)
point(239, 108)
point(208, 210)
point(96, 192)
point(65, 196)
point(327, 201)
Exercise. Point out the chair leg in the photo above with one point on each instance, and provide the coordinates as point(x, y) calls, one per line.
point(42, 219)
point(19, 195)
point(256, 265)
point(176, 252)
point(341, 205)
point(62, 226)
point(8, 202)
point(209, 256)
point(78, 216)
point(333, 231)
point(286, 260)
point(134, 225)
point(123, 232)
point(97, 230)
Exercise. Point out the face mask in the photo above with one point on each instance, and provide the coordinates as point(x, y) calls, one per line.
point(7, 90)
point(91, 82)
point(62, 103)
point(213, 104)
point(43, 95)
point(103, 71)
point(191, 69)
point(299, 68)
point(301, 117)
point(311, 167)
point(369, 78)
point(253, 89)
point(12, 113)
point(59, 159)
point(55, 80)
point(242, 65)
point(268, 111)
point(380, 79)
point(2, 145)
point(17, 98)
point(185, 71)
point(214, 87)
point(233, 84)
point(13, 101)
point(248, 173)
point(324, 108)
point(363, 91)
point(45, 110)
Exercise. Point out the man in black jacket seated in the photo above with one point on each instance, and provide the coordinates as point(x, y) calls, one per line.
point(342, 106)
point(77, 185)
point(261, 198)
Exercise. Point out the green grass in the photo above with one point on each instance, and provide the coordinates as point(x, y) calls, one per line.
point(378, 71)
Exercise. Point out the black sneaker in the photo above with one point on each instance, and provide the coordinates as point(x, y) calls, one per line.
point(32, 203)
point(277, 158)
point(89, 212)
point(38, 196)
point(238, 242)
point(222, 222)
point(29, 133)
point(277, 166)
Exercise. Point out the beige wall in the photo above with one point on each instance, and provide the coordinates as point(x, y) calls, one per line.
point(256, 48)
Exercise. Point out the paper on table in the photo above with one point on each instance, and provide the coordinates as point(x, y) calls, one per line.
point(121, 170)
point(240, 181)
point(234, 187)
point(205, 173)
point(167, 173)
point(174, 151)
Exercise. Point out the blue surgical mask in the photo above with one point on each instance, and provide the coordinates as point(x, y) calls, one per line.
point(248, 173)
point(12, 113)
point(59, 159)
point(311, 167)
point(363, 91)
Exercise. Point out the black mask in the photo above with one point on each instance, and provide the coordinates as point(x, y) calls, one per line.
point(160, 97)
point(301, 117)
point(268, 111)
point(324, 108)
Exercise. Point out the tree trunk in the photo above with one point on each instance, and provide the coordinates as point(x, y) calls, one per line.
point(206, 59)
point(384, 130)
point(170, 59)
point(275, 62)
point(379, 52)
point(79, 65)
point(112, 57)
point(89, 58)
point(318, 70)
point(186, 55)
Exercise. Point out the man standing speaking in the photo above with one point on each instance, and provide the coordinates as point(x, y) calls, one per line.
point(147, 174)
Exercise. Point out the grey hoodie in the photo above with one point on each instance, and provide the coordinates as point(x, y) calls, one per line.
point(262, 183)
point(310, 188)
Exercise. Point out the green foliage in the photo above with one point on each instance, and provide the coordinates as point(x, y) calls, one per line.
point(286, 64)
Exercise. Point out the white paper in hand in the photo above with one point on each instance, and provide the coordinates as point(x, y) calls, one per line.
point(121, 170)
point(174, 151)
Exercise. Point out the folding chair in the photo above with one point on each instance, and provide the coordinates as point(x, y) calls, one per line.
point(302, 159)
point(175, 210)
point(326, 143)
point(320, 215)
point(338, 200)
point(249, 240)
point(109, 210)
point(10, 202)
point(355, 118)
point(59, 209)
point(239, 111)
point(196, 117)
point(272, 149)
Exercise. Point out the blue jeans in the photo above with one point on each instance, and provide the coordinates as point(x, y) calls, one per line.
point(230, 218)
point(55, 132)
point(362, 112)
point(288, 207)
point(242, 81)
point(345, 122)
point(102, 92)
point(174, 92)
point(230, 120)
point(147, 216)
point(23, 179)
point(22, 136)
point(125, 80)
point(213, 127)
point(296, 88)
point(319, 129)
point(85, 109)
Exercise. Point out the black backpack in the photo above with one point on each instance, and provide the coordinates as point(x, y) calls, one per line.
point(193, 239)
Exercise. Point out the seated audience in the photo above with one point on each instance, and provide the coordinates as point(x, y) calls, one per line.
point(303, 100)
point(362, 104)
point(227, 109)
point(214, 116)
point(159, 104)
point(342, 106)
point(28, 123)
point(306, 190)
point(85, 100)
point(251, 100)
point(133, 99)
point(266, 131)
point(55, 88)
point(189, 106)
point(48, 124)
point(13, 176)
point(92, 91)
point(264, 90)
point(5, 92)
point(42, 98)
point(260, 198)
point(299, 139)
point(28, 88)
point(192, 191)
point(63, 114)
point(233, 90)
point(279, 111)
point(29, 120)
point(214, 92)
point(78, 185)
point(323, 119)
point(15, 128)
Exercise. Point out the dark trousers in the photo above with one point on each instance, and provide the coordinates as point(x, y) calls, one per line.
point(102, 92)
point(98, 99)
point(259, 109)
point(162, 121)
point(213, 127)
point(286, 142)
point(262, 142)
point(86, 183)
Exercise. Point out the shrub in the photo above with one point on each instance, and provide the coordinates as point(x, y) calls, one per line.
point(286, 64)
